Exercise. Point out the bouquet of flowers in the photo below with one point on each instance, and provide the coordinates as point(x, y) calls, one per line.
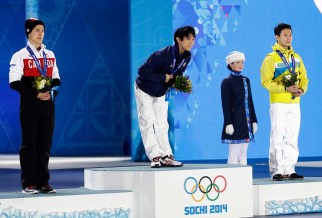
point(289, 79)
point(183, 84)
point(42, 84)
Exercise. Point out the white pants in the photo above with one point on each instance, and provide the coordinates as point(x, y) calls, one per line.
point(285, 127)
point(237, 154)
point(153, 122)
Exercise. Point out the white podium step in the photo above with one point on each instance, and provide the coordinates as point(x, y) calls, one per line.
point(79, 202)
point(194, 190)
point(287, 196)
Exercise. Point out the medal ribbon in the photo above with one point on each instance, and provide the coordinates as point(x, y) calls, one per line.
point(52, 94)
point(41, 71)
point(174, 69)
point(291, 70)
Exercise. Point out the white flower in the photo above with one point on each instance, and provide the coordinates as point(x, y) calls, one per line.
point(42, 83)
point(288, 77)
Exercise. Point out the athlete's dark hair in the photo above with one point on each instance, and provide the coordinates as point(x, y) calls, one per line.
point(278, 29)
point(184, 32)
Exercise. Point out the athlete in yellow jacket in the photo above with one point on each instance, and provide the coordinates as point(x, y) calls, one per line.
point(273, 69)
point(284, 103)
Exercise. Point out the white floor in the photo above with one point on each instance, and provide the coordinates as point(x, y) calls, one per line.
point(12, 162)
point(310, 164)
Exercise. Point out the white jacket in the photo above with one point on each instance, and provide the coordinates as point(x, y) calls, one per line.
point(22, 64)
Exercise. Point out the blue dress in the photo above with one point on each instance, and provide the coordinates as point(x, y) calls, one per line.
point(238, 109)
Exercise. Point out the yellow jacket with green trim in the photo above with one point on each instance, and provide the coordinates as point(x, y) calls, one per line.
point(273, 69)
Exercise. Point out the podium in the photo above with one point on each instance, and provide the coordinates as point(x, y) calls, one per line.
point(287, 196)
point(194, 190)
point(78, 202)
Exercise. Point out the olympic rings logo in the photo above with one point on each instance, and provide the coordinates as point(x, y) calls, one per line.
point(205, 187)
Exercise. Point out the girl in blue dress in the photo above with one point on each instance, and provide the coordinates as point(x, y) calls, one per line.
point(240, 122)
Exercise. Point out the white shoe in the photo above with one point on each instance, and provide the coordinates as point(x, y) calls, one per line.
point(155, 162)
point(30, 190)
point(169, 161)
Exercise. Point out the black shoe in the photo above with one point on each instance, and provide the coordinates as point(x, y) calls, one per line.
point(47, 189)
point(295, 176)
point(278, 177)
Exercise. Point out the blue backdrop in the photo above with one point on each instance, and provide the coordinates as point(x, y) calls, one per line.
point(91, 43)
point(223, 26)
point(100, 44)
point(151, 29)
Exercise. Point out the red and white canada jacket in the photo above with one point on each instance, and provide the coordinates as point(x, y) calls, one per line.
point(23, 71)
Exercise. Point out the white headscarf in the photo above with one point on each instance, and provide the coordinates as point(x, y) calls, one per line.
point(235, 56)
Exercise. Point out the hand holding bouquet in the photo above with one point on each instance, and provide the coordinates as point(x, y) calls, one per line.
point(183, 84)
point(289, 79)
point(42, 84)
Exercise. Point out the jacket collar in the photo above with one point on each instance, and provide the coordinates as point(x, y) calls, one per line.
point(178, 56)
point(276, 46)
point(34, 49)
point(235, 73)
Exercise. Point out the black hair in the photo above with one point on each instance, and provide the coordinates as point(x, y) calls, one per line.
point(184, 32)
point(229, 67)
point(278, 29)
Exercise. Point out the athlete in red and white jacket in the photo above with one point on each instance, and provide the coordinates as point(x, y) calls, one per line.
point(37, 108)
point(23, 71)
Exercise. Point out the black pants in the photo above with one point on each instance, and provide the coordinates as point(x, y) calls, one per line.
point(37, 127)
